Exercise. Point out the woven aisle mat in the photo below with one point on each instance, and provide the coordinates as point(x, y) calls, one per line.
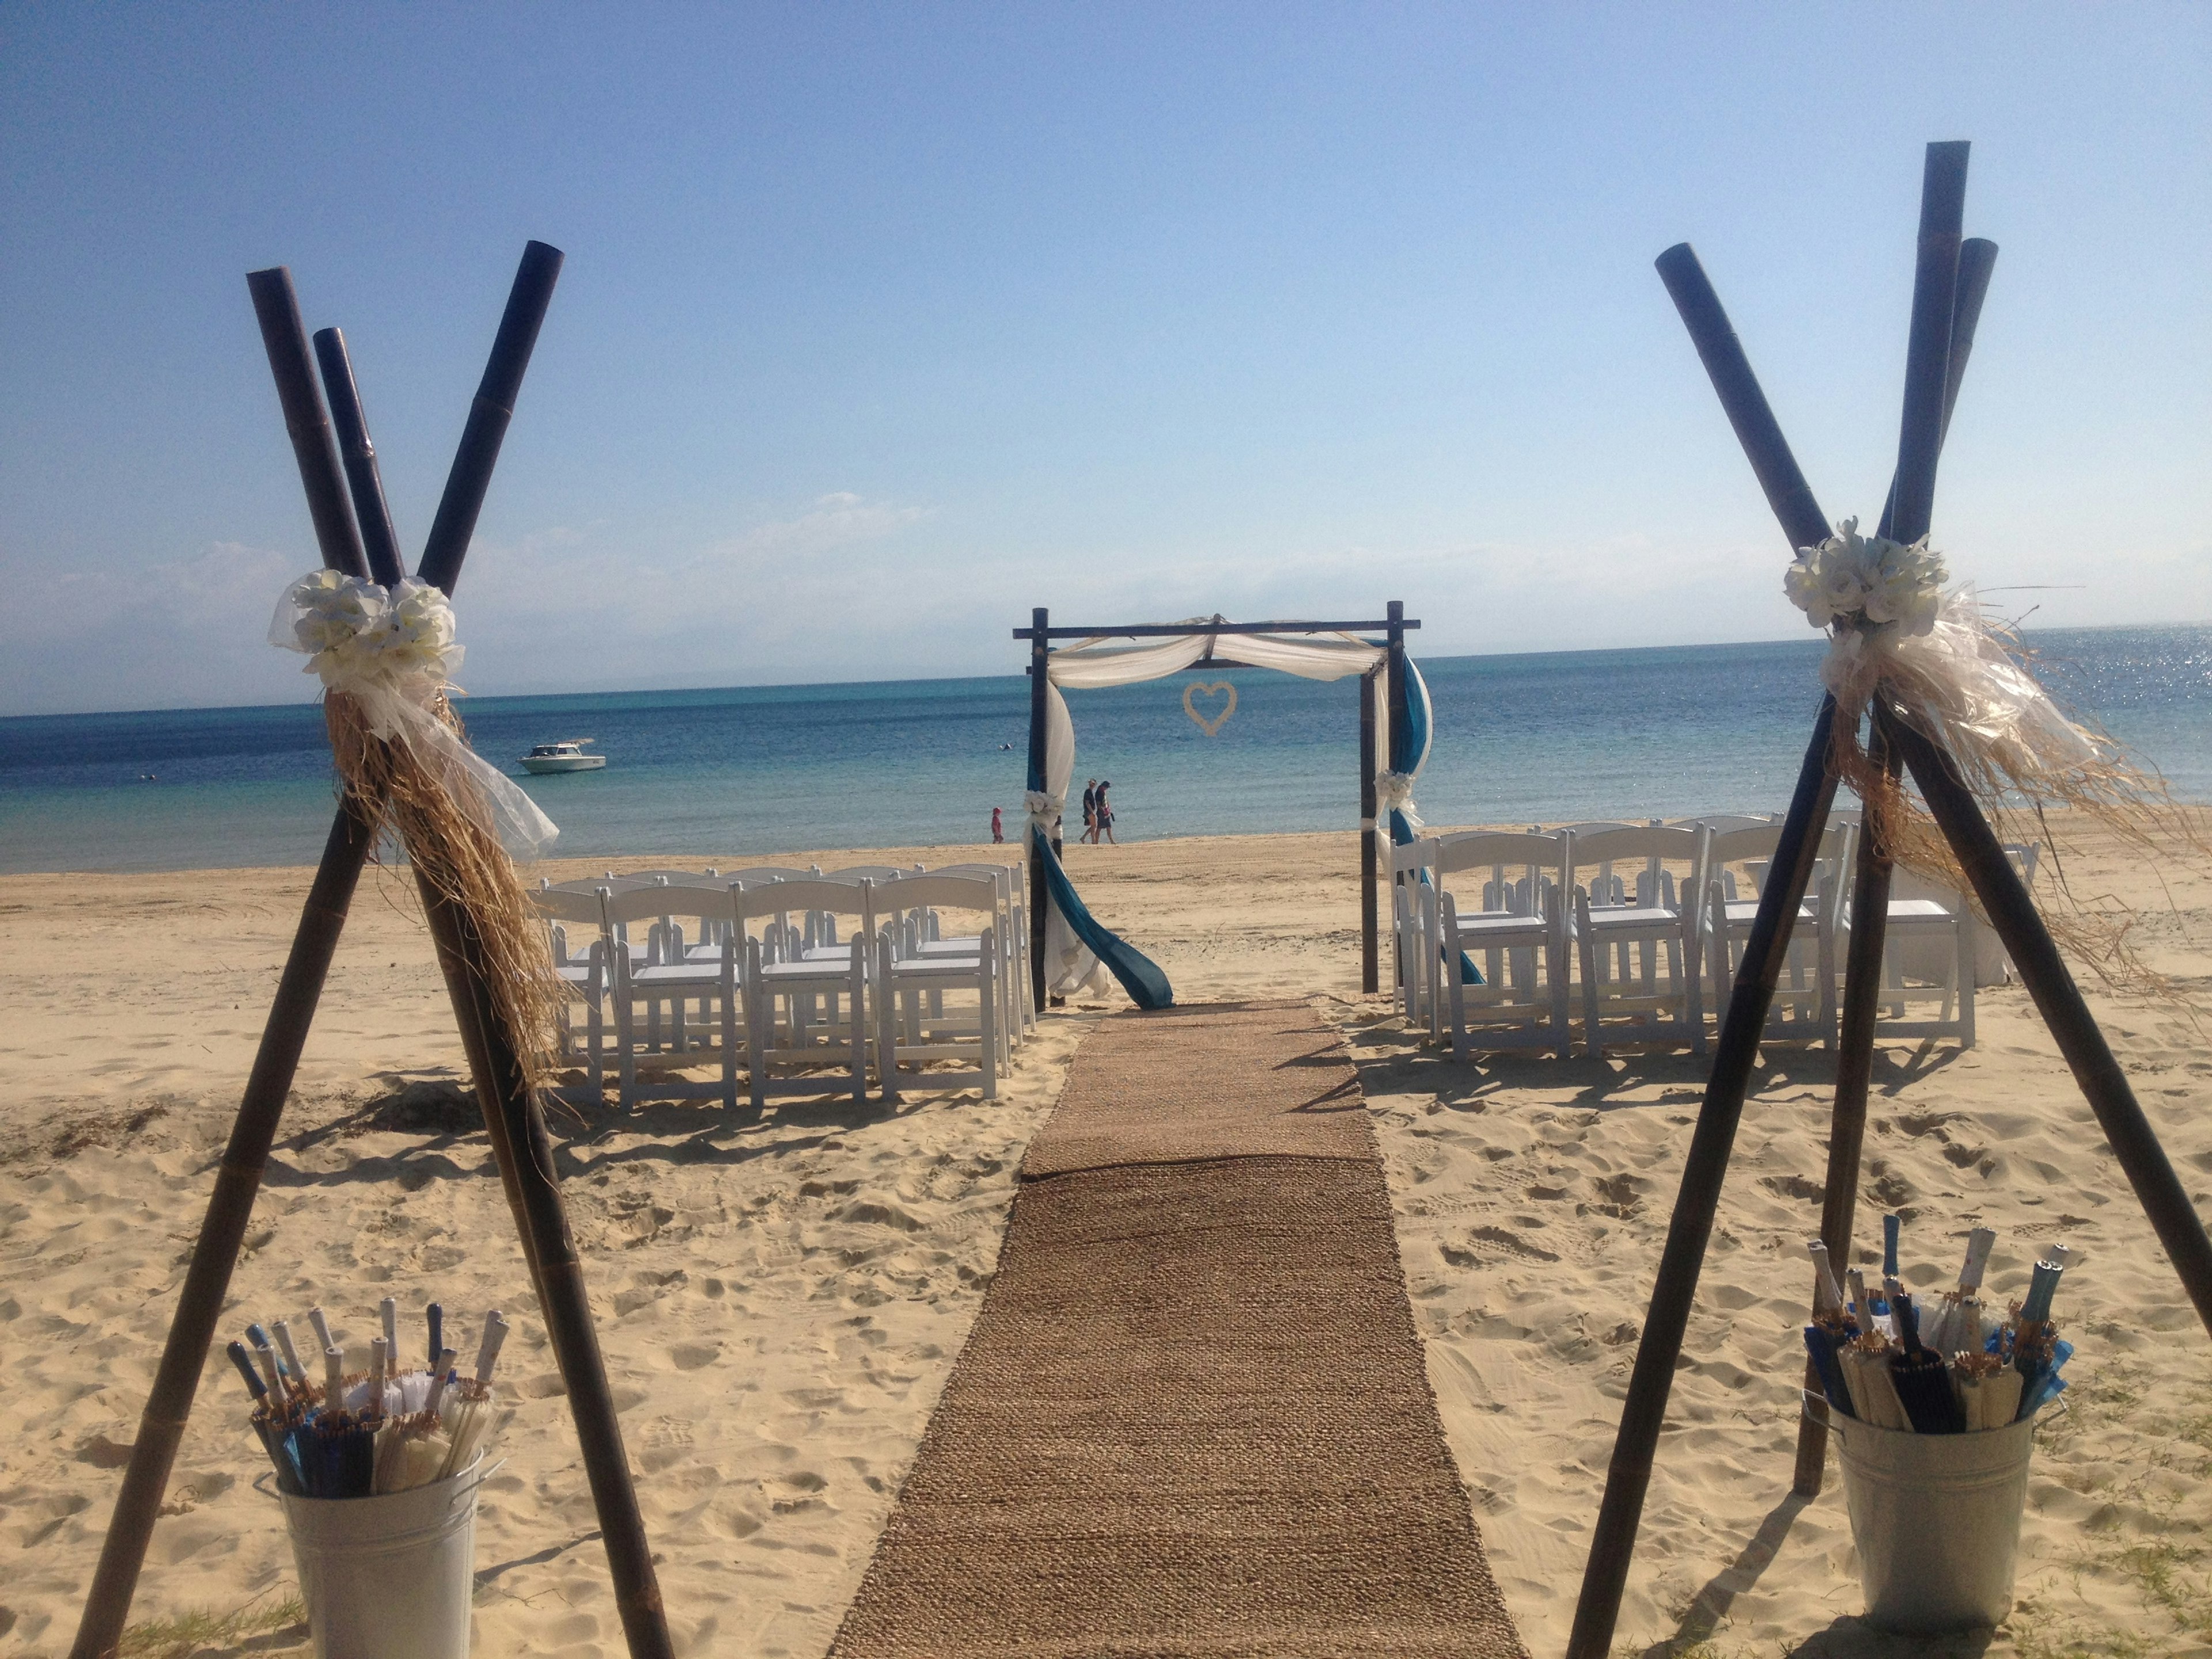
point(1208, 1082)
point(1191, 1418)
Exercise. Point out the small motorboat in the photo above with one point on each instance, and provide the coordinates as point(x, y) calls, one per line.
point(568, 757)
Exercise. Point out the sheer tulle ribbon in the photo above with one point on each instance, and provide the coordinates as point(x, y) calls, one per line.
point(1942, 662)
point(392, 652)
point(1393, 792)
point(1972, 693)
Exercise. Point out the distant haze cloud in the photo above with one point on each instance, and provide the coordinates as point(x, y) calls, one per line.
point(189, 630)
point(835, 521)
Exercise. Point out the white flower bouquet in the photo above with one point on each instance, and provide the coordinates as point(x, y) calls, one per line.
point(1868, 584)
point(362, 636)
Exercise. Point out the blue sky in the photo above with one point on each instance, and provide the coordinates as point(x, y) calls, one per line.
point(881, 325)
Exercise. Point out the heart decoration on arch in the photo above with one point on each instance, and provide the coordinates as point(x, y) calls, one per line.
point(1218, 689)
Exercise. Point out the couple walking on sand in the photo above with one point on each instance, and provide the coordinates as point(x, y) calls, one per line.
point(1097, 815)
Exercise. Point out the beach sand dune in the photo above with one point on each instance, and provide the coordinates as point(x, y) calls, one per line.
point(779, 1303)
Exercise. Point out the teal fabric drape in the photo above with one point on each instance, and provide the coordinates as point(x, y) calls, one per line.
point(1412, 719)
point(1140, 975)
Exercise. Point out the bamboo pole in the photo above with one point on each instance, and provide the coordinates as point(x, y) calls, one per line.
point(2035, 957)
point(291, 1014)
point(470, 479)
point(1741, 400)
point(1927, 350)
point(284, 338)
point(364, 481)
point(1927, 372)
point(514, 1119)
point(507, 1099)
point(1854, 1073)
point(1629, 1473)
point(1870, 919)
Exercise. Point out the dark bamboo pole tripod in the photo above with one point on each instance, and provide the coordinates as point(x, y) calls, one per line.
point(514, 1119)
point(533, 1194)
point(1946, 275)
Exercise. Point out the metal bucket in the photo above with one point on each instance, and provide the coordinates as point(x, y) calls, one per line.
point(1936, 1520)
point(389, 1577)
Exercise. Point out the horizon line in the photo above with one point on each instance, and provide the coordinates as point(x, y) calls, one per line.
point(1019, 674)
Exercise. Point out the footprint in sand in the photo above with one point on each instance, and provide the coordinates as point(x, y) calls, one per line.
point(1512, 1242)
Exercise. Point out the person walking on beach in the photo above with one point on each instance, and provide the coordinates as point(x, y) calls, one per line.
point(1102, 829)
point(1089, 809)
point(997, 828)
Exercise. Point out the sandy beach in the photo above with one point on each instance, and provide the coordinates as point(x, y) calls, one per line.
point(780, 1302)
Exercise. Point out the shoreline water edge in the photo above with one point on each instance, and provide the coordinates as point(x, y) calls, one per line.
point(1558, 735)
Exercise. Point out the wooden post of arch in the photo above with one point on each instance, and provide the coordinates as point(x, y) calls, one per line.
point(1039, 668)
point(1370, 949)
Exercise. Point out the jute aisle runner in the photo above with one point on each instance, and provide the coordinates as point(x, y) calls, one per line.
point(1191, 1418)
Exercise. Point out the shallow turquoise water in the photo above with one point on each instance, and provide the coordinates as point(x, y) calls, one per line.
point(1555, 736)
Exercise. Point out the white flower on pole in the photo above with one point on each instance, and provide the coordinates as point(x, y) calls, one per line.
point(1868, 585)
point(394, 652)
point(358, 635)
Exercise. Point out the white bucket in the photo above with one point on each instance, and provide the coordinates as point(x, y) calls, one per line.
point(389, 1577)
point(1936, 1519)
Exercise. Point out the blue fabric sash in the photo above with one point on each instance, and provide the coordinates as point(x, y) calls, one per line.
point(1410, 720)
point(1140, 976)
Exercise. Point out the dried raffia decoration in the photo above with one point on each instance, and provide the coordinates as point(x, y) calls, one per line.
point(386, 657)
point(1951, 668)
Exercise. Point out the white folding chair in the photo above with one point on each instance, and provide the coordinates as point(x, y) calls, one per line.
point(1013, 932)
point(674, 1011)
point(586, 976)
point(1931, 949)
point(1640, 955)
point(913, 1026)
point(1804, 1006)
point(1414, 919)
point(1519, 945)
point(805, 1010)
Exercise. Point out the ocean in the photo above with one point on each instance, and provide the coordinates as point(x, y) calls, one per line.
point(1554, 736)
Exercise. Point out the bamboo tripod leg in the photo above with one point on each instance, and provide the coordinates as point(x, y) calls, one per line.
point(514, 1119)
point(516, 1123)
point(2006, 902)
point(291, 1015)
point(1628, 1474)
point(1854, 1071)
point(215, 1253)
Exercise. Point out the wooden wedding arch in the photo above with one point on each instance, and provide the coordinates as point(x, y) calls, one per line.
point(1391, 673)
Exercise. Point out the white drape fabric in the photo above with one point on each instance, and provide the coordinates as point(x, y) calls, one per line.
point(394, 652)
point(1094, 663)
point(1070, 966)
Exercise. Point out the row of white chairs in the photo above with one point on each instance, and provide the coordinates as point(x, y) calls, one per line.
point(806, 980)
point(1500, 935)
